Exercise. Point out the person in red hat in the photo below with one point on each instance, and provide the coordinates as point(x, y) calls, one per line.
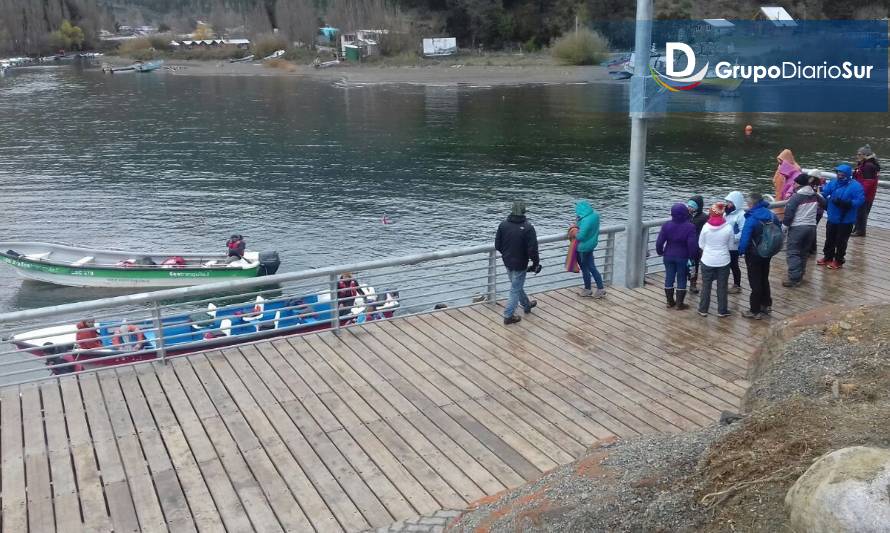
point(714, 241)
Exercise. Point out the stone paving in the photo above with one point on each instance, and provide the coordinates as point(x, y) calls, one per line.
point(434, 523)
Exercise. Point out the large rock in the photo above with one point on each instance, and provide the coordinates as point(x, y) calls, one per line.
point(847, 490)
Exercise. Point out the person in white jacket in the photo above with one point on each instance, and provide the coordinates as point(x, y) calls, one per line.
point(715, 239)
point(735, 217)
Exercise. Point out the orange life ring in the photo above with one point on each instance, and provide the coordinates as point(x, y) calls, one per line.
point(128, 330)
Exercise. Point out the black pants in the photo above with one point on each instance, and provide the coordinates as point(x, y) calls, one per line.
point(734, 266)
point(758, 278)
point(862, 218)
point(836, 238)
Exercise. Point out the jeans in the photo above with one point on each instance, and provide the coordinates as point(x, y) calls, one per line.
point(734, 268)
point(862, 218)
point(517, 292)
point(800, 240)
point(675, 269)
point(836, 238)
point(588, 268)
point(708, 276)
point(758, 278)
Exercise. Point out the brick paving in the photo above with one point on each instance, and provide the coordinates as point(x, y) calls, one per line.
point(434, 523)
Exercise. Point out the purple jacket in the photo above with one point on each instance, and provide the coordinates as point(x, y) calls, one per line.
point(677, 239)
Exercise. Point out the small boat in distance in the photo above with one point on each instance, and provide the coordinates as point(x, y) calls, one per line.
point(275, 55)
point(244, 59)
point(75, 266)
point(151, 66)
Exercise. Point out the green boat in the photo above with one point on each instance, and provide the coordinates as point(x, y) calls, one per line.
point(74, 266)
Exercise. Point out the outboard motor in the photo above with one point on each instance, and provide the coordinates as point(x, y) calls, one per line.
point(269, 263)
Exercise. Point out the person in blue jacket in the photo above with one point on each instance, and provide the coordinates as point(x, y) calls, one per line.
point(588, 221)
point(761, 301)
point(845, 196)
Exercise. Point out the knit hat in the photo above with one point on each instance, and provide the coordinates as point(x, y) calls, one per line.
point(866, 150)
point(717, 210)
point(844, 169)
point(692, 204)
point(802, 180)
point(518, 208)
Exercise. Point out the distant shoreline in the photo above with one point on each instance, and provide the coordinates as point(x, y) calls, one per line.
point(434, 74)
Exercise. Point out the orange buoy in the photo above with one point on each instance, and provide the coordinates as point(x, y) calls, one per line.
point(749, 129)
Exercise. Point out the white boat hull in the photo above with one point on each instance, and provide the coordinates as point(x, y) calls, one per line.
point(107, 282)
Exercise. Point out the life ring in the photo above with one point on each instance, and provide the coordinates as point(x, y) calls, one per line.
point(123, 335)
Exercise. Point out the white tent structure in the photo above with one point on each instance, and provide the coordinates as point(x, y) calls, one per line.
point(778, 16)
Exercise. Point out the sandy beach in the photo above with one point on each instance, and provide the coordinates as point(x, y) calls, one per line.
point(452, 73)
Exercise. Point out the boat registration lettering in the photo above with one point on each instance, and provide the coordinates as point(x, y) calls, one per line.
point(189, 274)
point(31, 266)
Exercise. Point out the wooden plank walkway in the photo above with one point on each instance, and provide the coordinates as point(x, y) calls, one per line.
point(383, 422)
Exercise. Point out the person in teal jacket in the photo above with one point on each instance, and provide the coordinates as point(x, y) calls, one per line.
point(588, 221)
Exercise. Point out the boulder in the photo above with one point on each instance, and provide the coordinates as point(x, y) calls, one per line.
point(847, 490)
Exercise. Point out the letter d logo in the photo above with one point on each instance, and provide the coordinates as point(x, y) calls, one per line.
point(670, 52)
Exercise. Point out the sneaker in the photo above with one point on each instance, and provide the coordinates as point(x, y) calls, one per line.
point(768, 310)
point(702, 313)
point(511, 320)
point(789, 283)
point(600, 293)
point(834, 265)
point(531, 305)
point(823, 261)
point(586, 292)
point(724, 315)
point(735, 289)
point(748, 314)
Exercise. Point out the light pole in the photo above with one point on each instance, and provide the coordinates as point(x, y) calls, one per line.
point(634, 268)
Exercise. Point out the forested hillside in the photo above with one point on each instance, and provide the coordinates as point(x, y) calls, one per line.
point(27, 25)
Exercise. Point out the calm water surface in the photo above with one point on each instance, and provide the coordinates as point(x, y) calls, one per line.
point(176, 162)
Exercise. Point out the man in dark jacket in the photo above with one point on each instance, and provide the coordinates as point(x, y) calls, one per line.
point(517, 242)
point(866, 173)
point(761, 300)
point(696, 206)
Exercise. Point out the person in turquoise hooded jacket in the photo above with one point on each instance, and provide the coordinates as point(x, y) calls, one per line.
point(588, 221)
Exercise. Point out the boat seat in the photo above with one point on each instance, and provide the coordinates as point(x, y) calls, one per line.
point(38, 257)
point(83, 260)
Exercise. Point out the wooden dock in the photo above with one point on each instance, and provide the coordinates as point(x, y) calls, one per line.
point(330, 432)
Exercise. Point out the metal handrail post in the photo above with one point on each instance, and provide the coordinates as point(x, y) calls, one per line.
point(610, 258)
point(335, 303)
point(159, 339)
point(492, 296)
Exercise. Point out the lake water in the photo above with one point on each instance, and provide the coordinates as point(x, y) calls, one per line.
point(309, 169)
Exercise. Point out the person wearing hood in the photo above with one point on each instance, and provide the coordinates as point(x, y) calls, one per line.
point(761, 301)
point(677, 243)
point(866, 173)
point(696, 206)
point(845, 196)
point(588, 222)
point(714, 243)
point(517, 242)
point(787, 163)
point(800, 220)
point(735, 217)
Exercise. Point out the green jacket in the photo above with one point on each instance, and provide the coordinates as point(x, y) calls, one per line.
point(588, 226)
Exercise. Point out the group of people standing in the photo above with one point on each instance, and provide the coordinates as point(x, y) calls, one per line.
point(711, 243)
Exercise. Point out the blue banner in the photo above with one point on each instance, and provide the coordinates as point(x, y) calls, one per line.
point(764, 66)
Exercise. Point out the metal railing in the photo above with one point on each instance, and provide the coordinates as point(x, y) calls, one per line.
point(178, 321)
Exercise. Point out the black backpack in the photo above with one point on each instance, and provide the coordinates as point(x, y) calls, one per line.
point(771, 239)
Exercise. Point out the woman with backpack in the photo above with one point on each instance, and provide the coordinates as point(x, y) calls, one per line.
point(761, 240)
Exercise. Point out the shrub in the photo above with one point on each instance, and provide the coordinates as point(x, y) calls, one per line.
point(398, 43)
point(267, 44)
point(138, 49)
point(584, 47)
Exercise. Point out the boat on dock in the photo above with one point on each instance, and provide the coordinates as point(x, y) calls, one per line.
point(88, 345)
point(75, 266)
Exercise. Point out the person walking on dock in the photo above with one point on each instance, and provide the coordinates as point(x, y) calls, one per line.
point(714, 243)
point(761, 239)
point(735, 217)
point(517, 242)
point(800, 221)
point(845, 196)
point(866, 173)
point(696, 206)
point(677, 243)
point(588, 222)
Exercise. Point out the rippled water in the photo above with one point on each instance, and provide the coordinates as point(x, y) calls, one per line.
point(308, 169)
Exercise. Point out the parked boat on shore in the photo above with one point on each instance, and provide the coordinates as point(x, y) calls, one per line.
point(75, 266)
point(87, 345)
point(150, 66)
point(244, 59)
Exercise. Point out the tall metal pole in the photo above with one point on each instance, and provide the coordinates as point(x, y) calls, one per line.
point(634, 269)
